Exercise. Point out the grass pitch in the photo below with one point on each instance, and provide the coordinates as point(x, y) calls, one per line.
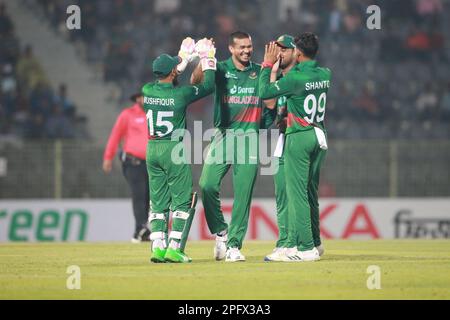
point(409, 270)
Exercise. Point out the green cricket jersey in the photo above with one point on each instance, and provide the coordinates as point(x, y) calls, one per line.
point(268, 117)
point(237, 102)
point(278, 113)
point(305, 88)
point(165, 106)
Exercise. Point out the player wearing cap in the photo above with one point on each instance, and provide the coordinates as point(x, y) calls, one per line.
point(287, 60)
point(170, 176)
point(305, 88)
point(237, 116)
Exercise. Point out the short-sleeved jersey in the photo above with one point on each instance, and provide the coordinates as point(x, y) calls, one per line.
point(237, 104)
point(305, 87)
point(165, 106)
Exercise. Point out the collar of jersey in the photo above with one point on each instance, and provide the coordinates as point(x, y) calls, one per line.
point(164, 84)
point(307, 64)
point(231, 65)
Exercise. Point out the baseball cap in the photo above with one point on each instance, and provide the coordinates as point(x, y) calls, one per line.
point(286, 41)
point(165, 63)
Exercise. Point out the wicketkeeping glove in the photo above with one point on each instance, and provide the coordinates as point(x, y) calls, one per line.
point(187, 53)
point(206, 51)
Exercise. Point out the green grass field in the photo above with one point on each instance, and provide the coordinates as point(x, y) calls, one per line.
point(409, 270)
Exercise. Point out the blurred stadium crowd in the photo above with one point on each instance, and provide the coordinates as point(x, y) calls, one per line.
point(388, 83)
point(29, 106)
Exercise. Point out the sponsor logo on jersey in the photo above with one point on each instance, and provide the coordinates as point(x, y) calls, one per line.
point(242, 90)
point(253, 75)
point(277, 86)
point(229, 75)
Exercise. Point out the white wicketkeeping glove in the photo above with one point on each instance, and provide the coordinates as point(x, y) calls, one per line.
point(186, 53)
point(206, 51)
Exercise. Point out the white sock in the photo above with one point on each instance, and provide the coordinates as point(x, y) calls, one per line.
point(174, 245)
point(159, 243)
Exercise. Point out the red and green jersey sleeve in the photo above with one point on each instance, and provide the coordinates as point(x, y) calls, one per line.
point(165, 106)
point(305, 88)
point(237, 104)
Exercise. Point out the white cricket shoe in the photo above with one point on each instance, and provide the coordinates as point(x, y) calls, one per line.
point(220, 248)
point(320, 249)
point(234, 255)
point(276, 255)
point(289, 252)
point(293, 255)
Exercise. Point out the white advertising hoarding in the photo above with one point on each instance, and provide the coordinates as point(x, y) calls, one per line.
point(112, 220)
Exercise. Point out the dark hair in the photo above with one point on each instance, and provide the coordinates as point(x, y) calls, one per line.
point(135, 96)
point(308, 43)
point(238, 35)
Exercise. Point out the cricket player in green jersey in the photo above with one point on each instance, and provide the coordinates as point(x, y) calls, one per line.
point(170, 177)
point(287, 60)
point(305, 87)
point(237, 116)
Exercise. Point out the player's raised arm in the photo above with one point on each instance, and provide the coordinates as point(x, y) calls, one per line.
point(283, 87)
point(271, 103)
point(208, 64)
point(186, 53)
point(197, 74)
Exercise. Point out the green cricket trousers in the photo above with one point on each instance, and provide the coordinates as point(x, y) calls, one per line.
point(303, 159)
point(239, 150)
point(170, 180)
point(282, 205)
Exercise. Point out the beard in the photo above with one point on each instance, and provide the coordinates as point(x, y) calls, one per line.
point(241, 59)
point(284, 64)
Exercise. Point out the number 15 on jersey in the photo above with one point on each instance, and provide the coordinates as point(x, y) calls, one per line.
point(162, 121)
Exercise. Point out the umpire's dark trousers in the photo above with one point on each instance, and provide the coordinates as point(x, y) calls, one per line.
point(135, 171)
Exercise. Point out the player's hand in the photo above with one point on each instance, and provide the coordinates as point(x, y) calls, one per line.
point(107, 166)
point(186, 53)
point(205, 48)
point(271, 53)
point(187, 49)
point(276, 66)
point(207, 52)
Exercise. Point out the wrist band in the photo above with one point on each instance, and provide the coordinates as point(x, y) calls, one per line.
point(267, 64)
